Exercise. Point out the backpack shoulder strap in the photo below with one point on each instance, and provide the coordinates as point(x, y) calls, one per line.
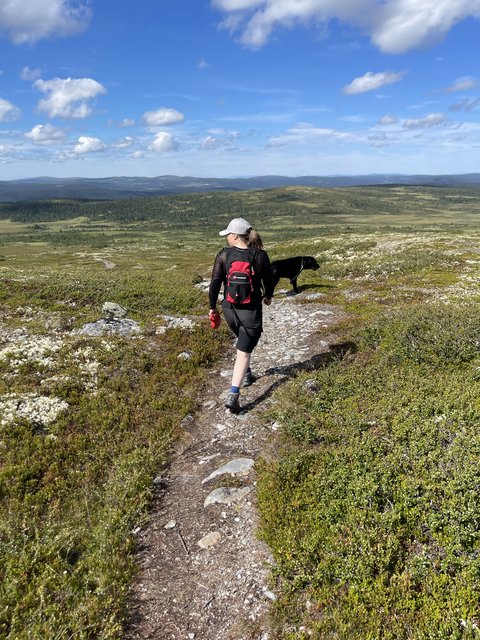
point(252, 256)
point(230, 255)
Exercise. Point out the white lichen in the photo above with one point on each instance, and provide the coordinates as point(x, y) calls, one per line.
point(38, 350)
point(41, 410)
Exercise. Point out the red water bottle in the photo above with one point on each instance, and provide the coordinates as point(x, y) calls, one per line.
point(215, 319)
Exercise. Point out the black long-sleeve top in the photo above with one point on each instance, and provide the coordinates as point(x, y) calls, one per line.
point(262, 278)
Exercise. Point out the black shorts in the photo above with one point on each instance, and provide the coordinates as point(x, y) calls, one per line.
point(246, 324)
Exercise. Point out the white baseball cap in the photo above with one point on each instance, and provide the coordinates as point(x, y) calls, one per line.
point(238, 225)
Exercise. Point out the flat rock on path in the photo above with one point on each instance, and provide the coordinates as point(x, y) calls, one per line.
point(203, 573)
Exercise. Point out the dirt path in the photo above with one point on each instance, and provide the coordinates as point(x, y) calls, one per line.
point(203, 572)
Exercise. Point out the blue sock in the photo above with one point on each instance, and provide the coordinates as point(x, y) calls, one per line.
point(234, 389)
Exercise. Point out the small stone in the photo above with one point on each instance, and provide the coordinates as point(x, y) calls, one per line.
point(191, 636)
point(113, 310)
point(226, 495)
point(210, 540)
point(310, 385)
point(239, 466)
point(185, 355)
point(269, 594)
point(171, 524)
point(204, 285)
point(178, 322)
point(206, 459)
point(188, 420)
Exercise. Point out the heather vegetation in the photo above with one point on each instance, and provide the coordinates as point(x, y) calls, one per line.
point(371, 503)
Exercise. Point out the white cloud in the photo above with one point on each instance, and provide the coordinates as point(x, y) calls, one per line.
point(388, 119)
point(258, 18)
point(163, 141)
point(431, 120)
point(202, 64)
point(211, 142)
point(125, 143)
point(400, 25)
point(8, 111)
point(27, 21)
point(422, 105)
point(303, 133)
point(371, 81)
point(45, 134)
point(231, 133)
point(395, 26)
point(266, 116)
point(378, 140)
point(87, 144)
point(467, 104)
point(68, 98)
point(162, 117)
point(126, 122)
point(29, 74)
point(463, 84)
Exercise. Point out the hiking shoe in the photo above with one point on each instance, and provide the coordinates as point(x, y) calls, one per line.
point(232, 402)
point(249, 379)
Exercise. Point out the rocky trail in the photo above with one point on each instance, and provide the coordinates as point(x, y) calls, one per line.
point(204, 574)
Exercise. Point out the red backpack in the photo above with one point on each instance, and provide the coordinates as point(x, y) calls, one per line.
point(240, 271)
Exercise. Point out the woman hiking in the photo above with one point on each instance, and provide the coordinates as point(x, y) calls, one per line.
point(245, 272)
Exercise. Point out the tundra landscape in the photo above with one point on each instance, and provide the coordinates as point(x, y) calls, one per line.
point(368, 492)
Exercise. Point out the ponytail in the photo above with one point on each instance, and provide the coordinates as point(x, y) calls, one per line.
point(253, 239)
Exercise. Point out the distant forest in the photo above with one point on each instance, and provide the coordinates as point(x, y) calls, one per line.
point(207, 210)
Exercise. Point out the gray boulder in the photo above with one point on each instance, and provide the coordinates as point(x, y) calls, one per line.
point(109, 327)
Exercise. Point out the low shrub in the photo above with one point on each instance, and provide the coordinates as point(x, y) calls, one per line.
point(372, 510)
point(434, 334)
point(72, 493)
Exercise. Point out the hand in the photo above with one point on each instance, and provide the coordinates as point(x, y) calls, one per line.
point(267, 301)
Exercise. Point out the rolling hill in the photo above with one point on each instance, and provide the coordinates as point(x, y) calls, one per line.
point(113, 188)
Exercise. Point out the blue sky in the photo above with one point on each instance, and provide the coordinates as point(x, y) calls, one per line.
point(222, 88)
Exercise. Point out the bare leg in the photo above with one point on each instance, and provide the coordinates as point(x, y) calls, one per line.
point(242, 363)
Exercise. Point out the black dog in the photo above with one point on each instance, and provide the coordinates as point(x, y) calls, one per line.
point(291, 268)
